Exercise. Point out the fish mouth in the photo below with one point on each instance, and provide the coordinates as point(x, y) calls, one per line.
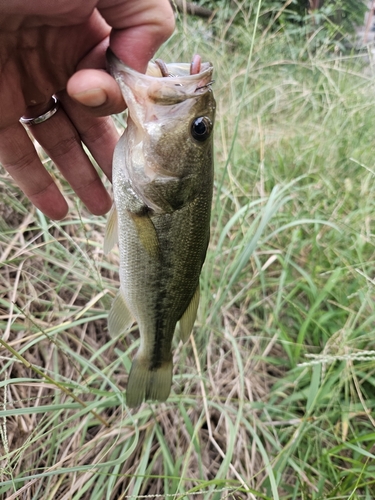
point(177, 86)
point(156, 99)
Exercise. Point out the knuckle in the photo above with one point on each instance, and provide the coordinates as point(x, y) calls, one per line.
point(64, 147)
point(96, 131)
point(19, 164)
point(166, 23)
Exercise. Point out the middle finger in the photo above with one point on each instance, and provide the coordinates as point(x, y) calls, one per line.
point(99, 134)
point(60, 140)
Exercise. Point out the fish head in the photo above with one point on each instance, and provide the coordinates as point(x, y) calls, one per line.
point(169, 132)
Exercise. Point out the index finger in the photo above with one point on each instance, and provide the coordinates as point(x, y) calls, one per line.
point(139, 27)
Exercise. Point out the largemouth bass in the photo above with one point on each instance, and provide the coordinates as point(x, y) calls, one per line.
point(162, 182)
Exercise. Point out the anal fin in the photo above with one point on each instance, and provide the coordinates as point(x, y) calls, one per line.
point(188, 318)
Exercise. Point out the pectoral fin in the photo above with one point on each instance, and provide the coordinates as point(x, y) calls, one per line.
point(120, 318)
point(111, 230)
point(146, 233)
point(188, 318)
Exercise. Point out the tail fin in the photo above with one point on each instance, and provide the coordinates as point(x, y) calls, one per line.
point(146, 384)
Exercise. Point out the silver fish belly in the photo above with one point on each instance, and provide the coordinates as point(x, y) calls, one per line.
point(162, 182)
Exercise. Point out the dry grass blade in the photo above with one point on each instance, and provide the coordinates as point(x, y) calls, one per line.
point(52, 382)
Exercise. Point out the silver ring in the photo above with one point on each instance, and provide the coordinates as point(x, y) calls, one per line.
point(45, 116)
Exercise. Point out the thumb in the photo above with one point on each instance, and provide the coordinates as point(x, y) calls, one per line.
point(139, 27)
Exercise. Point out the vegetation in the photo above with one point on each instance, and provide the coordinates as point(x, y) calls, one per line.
point(328, 22)
point(273, 396)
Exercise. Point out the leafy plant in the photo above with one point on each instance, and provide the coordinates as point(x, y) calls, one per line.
point(332, 21)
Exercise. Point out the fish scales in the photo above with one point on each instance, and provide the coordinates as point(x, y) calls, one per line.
point(163, 182)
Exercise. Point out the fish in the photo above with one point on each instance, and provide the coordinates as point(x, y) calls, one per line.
point(162, 184)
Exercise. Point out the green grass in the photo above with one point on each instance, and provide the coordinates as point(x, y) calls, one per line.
point(274, 396)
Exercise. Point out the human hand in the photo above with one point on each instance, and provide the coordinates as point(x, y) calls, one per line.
point(59, 48)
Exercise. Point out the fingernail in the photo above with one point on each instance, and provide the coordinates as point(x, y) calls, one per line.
point(92, 97)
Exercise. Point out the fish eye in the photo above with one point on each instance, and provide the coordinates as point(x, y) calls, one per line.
point(201, 128)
